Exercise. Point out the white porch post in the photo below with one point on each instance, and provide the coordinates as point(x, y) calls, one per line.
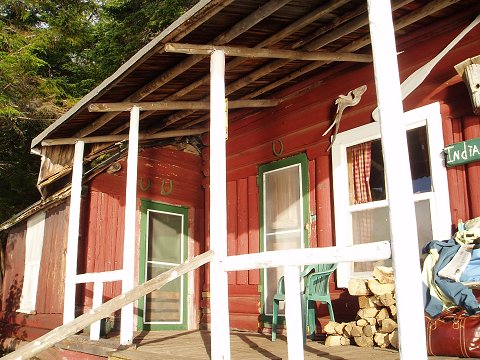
point(126, 325)
point(96, 302)
point(73, 232)
point(219, 321)
point(404, 239)
point(293, 312)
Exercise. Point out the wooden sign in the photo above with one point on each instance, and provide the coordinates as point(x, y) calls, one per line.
point(462, 153)
point(469, 70)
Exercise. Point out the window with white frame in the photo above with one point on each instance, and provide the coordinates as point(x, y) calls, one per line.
point(33, 255)
point(360, 196)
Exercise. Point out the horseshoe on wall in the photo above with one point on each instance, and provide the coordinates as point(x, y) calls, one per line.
point(163, 192)
point(275, 152)
point(142, 187)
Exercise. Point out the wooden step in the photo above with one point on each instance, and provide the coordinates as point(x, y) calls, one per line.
point(81, 343)
point(144, 355)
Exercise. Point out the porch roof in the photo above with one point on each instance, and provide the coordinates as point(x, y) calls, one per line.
point(153, 75)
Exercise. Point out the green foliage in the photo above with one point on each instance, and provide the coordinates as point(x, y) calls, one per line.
point(53, 52)
point(127, 25)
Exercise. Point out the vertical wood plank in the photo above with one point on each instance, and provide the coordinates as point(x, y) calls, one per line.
point(312, 204)
point(232, 226)
point(253, 226)
point(14, 259)
point(119, 243)
point(51, 277)
point(323, 193)
point(452, 129)
point(44, 273)
point(472, 130)
point(242, 226)
point(207, 235)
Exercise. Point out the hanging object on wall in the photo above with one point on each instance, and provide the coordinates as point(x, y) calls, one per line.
point(463, 152)
point(142, 186)
point(343, 101)
point(469, 70)
point(274, 148)
point(415, 79)
point(169, 191)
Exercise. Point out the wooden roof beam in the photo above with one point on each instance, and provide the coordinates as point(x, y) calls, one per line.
point(430, 8)
point(338, 32)
point(122, 137)
point(178, 105)
point(242, 51)
point(239, 28)
point(275, 38)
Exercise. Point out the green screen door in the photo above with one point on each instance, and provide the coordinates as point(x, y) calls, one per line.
point(163, 246)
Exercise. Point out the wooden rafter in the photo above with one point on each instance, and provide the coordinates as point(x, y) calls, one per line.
point(242, 26)
point(241, 51)
point(306, 20)
point(121, 137)
point(178, 105)
point(430, 8)
point(275, 38)
point(331, 32)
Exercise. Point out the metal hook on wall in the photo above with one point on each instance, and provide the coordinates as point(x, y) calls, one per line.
point(163, 192)
point(275, 152)
point(142, 187)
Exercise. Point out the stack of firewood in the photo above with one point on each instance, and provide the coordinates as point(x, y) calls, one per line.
point(375, 324)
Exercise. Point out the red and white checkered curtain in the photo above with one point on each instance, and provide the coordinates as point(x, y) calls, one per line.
point(361, 163)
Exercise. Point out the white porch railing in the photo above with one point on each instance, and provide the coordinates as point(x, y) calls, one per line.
point(98, 279)
point(291, 260)
point(124, 300)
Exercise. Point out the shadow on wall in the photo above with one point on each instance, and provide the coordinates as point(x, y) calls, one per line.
point(10, 334)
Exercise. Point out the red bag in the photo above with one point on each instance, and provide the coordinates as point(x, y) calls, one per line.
point(453, 333)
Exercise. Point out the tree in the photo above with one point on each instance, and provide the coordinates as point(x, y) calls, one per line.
point(52, 52)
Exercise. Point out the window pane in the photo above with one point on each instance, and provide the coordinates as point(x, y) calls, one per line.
point(419, 160)
point(282, 220)
point(163, 305)
point(373, 225)
point(282, 199)
point(285, 241)
point(164, 237)
point(424, 223)
point(366, 170)
point(369, 226)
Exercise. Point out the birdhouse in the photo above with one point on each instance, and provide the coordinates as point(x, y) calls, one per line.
point(469, 70)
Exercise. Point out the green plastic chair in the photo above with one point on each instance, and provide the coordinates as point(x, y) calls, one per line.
point(316, 279)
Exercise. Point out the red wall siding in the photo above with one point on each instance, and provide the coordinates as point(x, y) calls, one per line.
point(49, 304)
point(51, 279)
point(299, 123)
point(103, 244)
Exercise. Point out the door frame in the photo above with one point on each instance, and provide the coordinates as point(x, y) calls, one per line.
point(302, 160)
point(147, 205)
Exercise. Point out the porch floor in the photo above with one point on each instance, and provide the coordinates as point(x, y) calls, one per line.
point(195, 345)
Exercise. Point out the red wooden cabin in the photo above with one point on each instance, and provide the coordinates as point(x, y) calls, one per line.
point(280, 175)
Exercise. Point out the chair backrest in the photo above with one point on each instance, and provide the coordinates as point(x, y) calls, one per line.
point(316, 282)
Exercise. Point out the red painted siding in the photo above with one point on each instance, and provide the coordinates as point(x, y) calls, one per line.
point(50, 282)
point(49, 303)
point(157, 169)
point(300, 123)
